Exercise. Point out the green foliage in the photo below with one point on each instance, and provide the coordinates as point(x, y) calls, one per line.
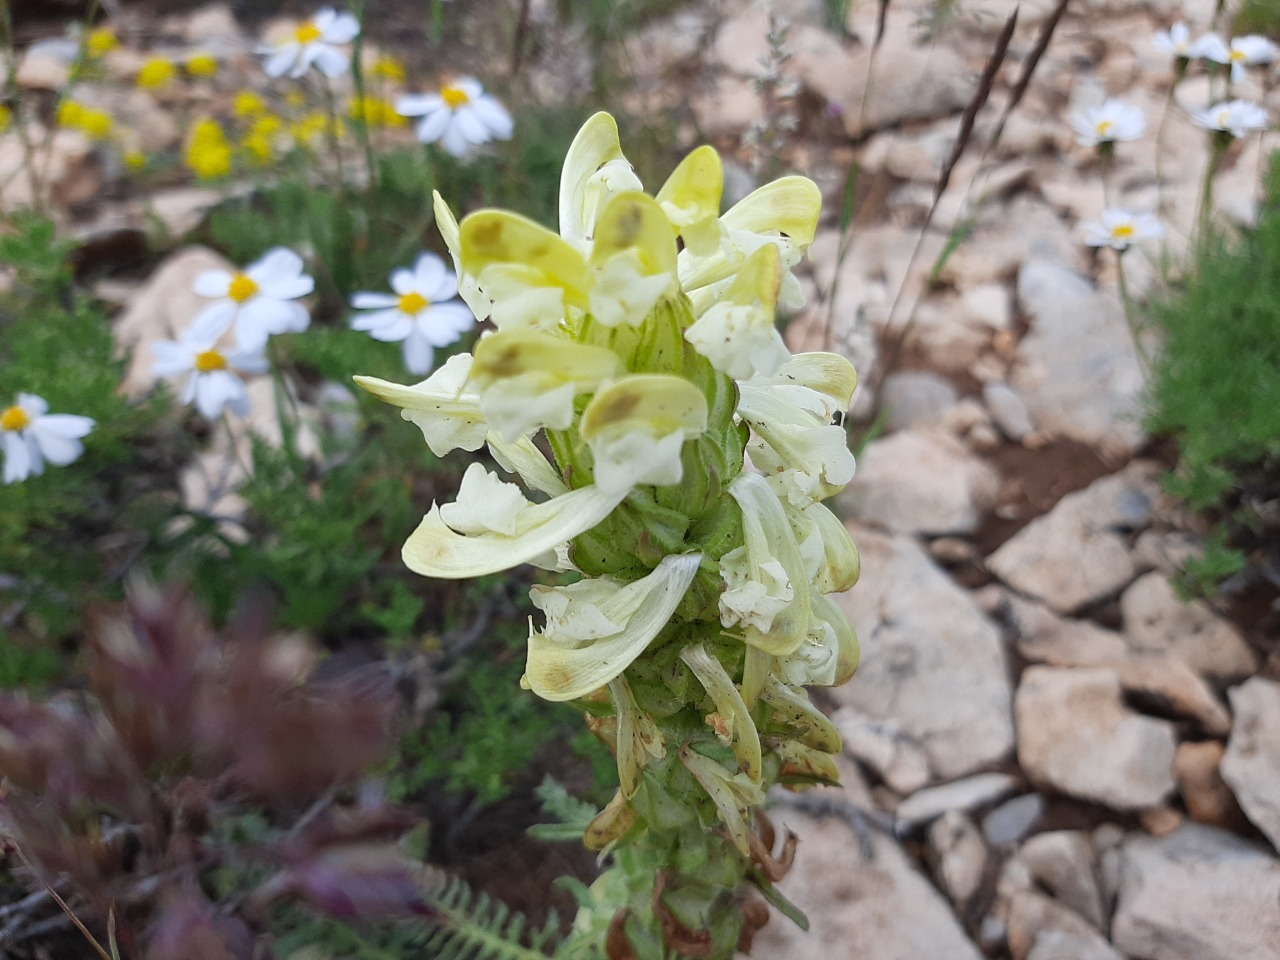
point(571, 815)
point(486, 731)
point(479, 928)
point(1217, 382)
point(1257, 16)
point(66, 536)
point(1202, 574)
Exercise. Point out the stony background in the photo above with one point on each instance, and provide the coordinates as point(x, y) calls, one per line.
point(1048, 755)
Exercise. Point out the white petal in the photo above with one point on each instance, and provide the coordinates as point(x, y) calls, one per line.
point(171, 358)
point(17, 456)
point(470, 86)
point(34, 406)
point(58, 437)
point(213, 390)
point(288, 288)
point(280, 61)
point(494, 116)
point(418, 353)
point(428, 275)
point(433, 125)
point(397, 327)
point(444, 323)
point(211, 323)
point(213, 283)
point(453, 140)
point(342, 29)
point(470, 126)
point(248, 361)
point(278, 263)
point(376, 319)
point(331, 61)
point(373, 301)
point(419, 104)
point(402, 281)
point(260, 318)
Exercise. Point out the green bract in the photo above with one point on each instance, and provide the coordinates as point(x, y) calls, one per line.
point(640, 342)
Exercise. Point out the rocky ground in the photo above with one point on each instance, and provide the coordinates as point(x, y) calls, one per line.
point(1049, 755)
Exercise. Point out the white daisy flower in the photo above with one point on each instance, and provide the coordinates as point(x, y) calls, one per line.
point(260, 301)
point(460, 116)
point(31, 436)
point(212, 385)
point(1241, 52)
point(1236, 117)
point(313, 44)
point(1176, 41)
point(1111, 122)
point(422, 314)
point(1120, 229)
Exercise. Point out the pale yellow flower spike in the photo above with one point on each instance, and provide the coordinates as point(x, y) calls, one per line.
point(691, 199)
point(489, 237)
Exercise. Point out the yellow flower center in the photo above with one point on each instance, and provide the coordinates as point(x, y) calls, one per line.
point(1105, 127)
point(1123, 231)
point(203, 65)
point(15, 418)
point(413, 303)
point(1237, 56)
point(307, 33)
point(1223, 117)
point(242, 288)
point(210, 360)
point(454, 96)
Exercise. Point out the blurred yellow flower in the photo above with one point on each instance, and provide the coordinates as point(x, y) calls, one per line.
point(208, 154)
point(6, 118)
point(157, 73)
point(316, 124)
point(375, 112)
point(92, 122)
point(248, 104)
point(203, 65)
point(259, 141)
point(100, 41)
point(389, 68)
point(295, 99)
point(134, 160)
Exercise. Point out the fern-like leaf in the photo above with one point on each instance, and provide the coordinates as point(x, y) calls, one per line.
point(477, 927)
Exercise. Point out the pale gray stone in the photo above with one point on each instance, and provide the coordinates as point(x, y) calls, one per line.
point(882, 908)
point(1198, 894)
point(1076, 553)
point(1078, 370)
point(1159, 622)
point(1061, 945)
point(1034, 917)
point(1063, 863)
point(1076, 735)
point(1013, 819)
point(932, 661)
point(921, 480)
point(1251, 765)
point(882, 746)
point(915, 396)
point(1008, 411)
point(967, 794)
point(958, 854)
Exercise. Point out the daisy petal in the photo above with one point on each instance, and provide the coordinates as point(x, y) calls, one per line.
point(17, 457)
point(212, 283)
point(418, 354)
point(495, 117)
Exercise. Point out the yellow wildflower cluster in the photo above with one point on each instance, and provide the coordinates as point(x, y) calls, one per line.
point(203, 65)
point(156, 74)
point(248, 104)
point(259, 141)
point(316, 124)
point(388, 68)
point(375, 112)
point(100, 41)
point(208, 153)
point(93, 123)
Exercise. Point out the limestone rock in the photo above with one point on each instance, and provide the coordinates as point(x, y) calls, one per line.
point(46, 65)
point(913, 397)
point(1076, 553)
point(1063, 863)
point(1159, 622)
point(921, 480)
point(882, 908)
point(906, 79)
point(70, 172)
point(1061, 945)
point(958, 854)
point(963, 795)
point(1197, 769)
point(1078, 370)
point(1252, 762)
point(933, 662)
point(882, 746)
point(1198, 894)
point(1076, 735)
point(1034, 917)
point(1013, 819)
point(1008, 411)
